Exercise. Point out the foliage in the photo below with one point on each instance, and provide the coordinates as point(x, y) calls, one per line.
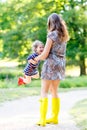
point(76, 19)
point(79, 111)
point(9, 73)
point(9, 77)
point(74, 82)
point(22, 22)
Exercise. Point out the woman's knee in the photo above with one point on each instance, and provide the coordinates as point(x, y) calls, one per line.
point(54, 88)
point(44, 88)
point(54, 92)
point(44, 91)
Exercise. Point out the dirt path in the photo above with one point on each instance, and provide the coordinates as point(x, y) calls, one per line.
point(24, 113)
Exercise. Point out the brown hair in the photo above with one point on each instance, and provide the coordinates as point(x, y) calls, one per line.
point(55, 22)
point(35, 44)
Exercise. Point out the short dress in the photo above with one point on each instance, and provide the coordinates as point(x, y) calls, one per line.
point(54, 66)
point(31, 69)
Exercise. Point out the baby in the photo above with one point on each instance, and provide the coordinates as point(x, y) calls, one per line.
point(31, 69)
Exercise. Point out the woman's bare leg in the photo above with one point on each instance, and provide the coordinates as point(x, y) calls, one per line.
point(45, 84)
point(54, 88)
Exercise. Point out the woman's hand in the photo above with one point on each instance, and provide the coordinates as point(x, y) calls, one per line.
point(32, 61)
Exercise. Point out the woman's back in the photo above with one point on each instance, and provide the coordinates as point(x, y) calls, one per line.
point(54, 65)
point(58, 49)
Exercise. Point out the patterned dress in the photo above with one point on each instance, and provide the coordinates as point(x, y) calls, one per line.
point(54, 65)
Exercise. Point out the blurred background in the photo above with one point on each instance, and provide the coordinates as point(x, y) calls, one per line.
point(23, 21)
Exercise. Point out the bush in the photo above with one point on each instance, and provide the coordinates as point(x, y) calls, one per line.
point(9, 77)
point(67, 83)
point(9, 73)
point(8, 83)
point(71, 82)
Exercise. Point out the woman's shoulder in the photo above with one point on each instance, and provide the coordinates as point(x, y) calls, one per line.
point(53, 35)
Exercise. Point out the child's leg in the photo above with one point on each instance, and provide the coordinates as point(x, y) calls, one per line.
point(36, 76)
point(27, 79)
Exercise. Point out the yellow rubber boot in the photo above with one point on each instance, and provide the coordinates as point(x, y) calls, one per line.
point(55, 111)
point(43, 111)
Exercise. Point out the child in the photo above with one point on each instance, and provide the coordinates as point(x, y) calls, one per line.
point(31, 69)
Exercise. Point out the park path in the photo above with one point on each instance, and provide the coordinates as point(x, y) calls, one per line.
point(22, 114)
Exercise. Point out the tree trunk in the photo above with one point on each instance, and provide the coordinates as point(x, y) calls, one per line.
point(82, 66)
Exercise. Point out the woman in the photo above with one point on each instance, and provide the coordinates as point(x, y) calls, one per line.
point(53, 68)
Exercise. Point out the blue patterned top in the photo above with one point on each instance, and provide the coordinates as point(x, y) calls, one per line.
point(31, 69)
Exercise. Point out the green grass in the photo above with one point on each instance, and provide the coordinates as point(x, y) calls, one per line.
point(79, 111)
point(8, 94)
point(9, 89)
point(16, 93)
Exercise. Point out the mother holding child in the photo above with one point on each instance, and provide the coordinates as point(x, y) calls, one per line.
point(53, 70)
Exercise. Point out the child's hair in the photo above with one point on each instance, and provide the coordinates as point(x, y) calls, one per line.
point(55, 22)
point(35, 44)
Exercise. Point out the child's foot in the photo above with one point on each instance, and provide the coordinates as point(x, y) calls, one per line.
point(20, 81)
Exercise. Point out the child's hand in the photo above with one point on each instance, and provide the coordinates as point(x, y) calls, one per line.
point(32, 61)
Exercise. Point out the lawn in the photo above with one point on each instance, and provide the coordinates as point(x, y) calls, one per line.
point(7, 94)
point(79, 111)
point(10, 90)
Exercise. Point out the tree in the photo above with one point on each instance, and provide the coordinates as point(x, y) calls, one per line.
point(23, 23)
point(75, 15)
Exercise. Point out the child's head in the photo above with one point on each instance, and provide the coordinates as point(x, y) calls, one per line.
point(38, 47)
point(55, 22)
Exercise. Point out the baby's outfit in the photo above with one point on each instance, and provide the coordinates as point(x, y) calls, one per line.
point(31, 69)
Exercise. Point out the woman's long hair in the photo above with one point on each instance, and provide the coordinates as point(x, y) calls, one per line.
point(55, 22)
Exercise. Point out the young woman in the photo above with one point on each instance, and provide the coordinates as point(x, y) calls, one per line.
point(53, 68)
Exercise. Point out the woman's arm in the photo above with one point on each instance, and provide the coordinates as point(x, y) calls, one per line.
point(46, 51)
